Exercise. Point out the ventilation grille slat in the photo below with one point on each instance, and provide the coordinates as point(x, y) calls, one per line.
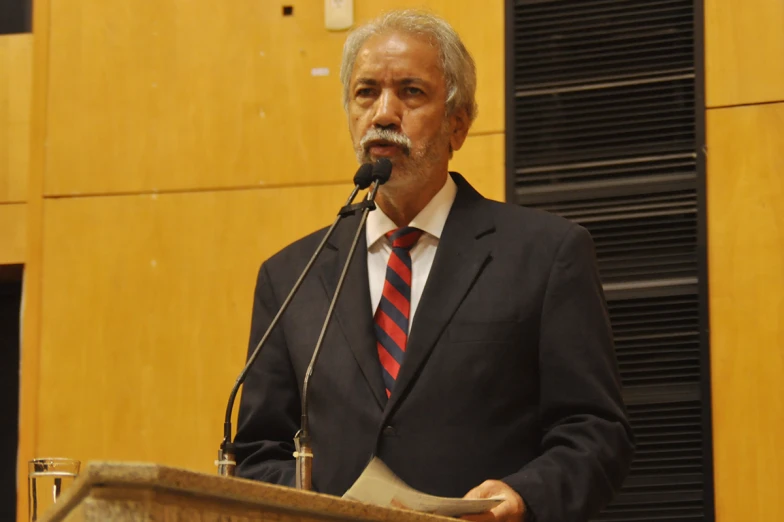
point(639, 236)
point(620, 122)
point(573, 41)
point(666, 481)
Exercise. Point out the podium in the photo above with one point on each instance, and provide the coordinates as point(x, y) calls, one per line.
point(124, 492)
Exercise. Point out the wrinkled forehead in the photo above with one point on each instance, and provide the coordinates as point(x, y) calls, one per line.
point(398, 54)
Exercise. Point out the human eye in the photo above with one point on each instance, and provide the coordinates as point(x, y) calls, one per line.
point(413, 91)
point(364, 92)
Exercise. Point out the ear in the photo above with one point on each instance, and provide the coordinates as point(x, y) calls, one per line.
point(460, 124)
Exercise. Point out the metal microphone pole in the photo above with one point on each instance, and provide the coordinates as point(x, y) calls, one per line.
point(227, 462)
point(302, 441)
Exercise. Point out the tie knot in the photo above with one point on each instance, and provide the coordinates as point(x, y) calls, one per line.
point(404, 237)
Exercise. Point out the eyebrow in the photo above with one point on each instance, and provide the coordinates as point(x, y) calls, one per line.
point(366, 81)
point(404, 81)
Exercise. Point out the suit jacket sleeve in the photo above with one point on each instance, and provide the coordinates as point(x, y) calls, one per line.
point(587, 443)
point(270, 405)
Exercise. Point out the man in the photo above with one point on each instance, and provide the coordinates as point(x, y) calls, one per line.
point(470, 349)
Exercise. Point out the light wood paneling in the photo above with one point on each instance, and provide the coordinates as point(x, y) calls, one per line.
point(170, 95)
point(31, 299)
point(146, 316)
point(13, 233)
point(16, 64)
point(746, 259)
point(744, 51)
point(482, 162)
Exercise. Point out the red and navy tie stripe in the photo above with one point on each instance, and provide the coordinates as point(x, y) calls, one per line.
point(394, 310)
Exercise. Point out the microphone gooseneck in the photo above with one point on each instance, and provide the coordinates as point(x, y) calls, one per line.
point(226, 462)
point(382, 170)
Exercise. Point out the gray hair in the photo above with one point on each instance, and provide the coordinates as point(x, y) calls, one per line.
point(456, 62)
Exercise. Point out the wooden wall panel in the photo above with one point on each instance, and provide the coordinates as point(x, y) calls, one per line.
point(16, 65)
point(746, 259)
point(31, 299)
point(175, 95)
point(13, 233)
point(482, 162)
point(146, 315)
point(744, 51)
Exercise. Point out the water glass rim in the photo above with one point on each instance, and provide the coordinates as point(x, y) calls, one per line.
point(53, 459)
point(61, 464)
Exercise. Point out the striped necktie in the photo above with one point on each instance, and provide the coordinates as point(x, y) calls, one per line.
point(393, 312)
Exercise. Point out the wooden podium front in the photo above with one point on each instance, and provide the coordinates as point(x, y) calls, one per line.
point(124, 492)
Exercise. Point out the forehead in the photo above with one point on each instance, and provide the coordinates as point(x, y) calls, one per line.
point(398, 53)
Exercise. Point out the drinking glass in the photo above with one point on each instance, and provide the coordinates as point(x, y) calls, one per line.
point(47, 478)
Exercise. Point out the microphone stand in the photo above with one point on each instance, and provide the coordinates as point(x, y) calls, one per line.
point(302, 442)
point(227, 462)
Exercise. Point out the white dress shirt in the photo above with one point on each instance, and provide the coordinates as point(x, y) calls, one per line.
point(430, 220)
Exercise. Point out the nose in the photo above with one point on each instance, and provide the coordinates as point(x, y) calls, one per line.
point(388, 113)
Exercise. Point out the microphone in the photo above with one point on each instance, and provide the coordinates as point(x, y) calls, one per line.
point(382, 170)
point(363, 178)
point(226, 454)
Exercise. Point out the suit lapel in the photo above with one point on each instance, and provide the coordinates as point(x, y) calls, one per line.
point(460, 258)
point(353, 315)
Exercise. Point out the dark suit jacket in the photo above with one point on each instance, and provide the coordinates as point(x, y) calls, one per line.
point(509, 374)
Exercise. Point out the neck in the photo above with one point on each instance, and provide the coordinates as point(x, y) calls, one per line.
point(403, 204)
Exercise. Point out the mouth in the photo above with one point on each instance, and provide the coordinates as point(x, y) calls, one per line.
point(382, 148)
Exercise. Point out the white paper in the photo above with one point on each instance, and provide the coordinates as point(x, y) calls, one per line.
point(379, 486)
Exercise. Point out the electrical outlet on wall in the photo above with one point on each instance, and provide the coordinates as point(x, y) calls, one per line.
point(338, 14)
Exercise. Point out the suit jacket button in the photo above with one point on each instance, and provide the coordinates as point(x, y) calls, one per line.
point(388, 431)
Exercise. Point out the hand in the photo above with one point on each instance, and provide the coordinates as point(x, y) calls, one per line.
point(510, 510)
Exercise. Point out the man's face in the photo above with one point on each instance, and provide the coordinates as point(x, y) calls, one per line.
point(397, 107)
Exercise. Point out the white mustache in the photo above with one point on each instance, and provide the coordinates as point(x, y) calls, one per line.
point(397, 138)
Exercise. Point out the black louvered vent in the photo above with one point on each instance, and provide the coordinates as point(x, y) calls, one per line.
point(657, 340)
point(15, 16)
point(667, 479)
point(602, 114)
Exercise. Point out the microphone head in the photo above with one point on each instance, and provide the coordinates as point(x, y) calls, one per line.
point(364, 176)
point(382, 170)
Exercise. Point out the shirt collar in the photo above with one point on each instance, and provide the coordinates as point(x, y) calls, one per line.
point(430, 219)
